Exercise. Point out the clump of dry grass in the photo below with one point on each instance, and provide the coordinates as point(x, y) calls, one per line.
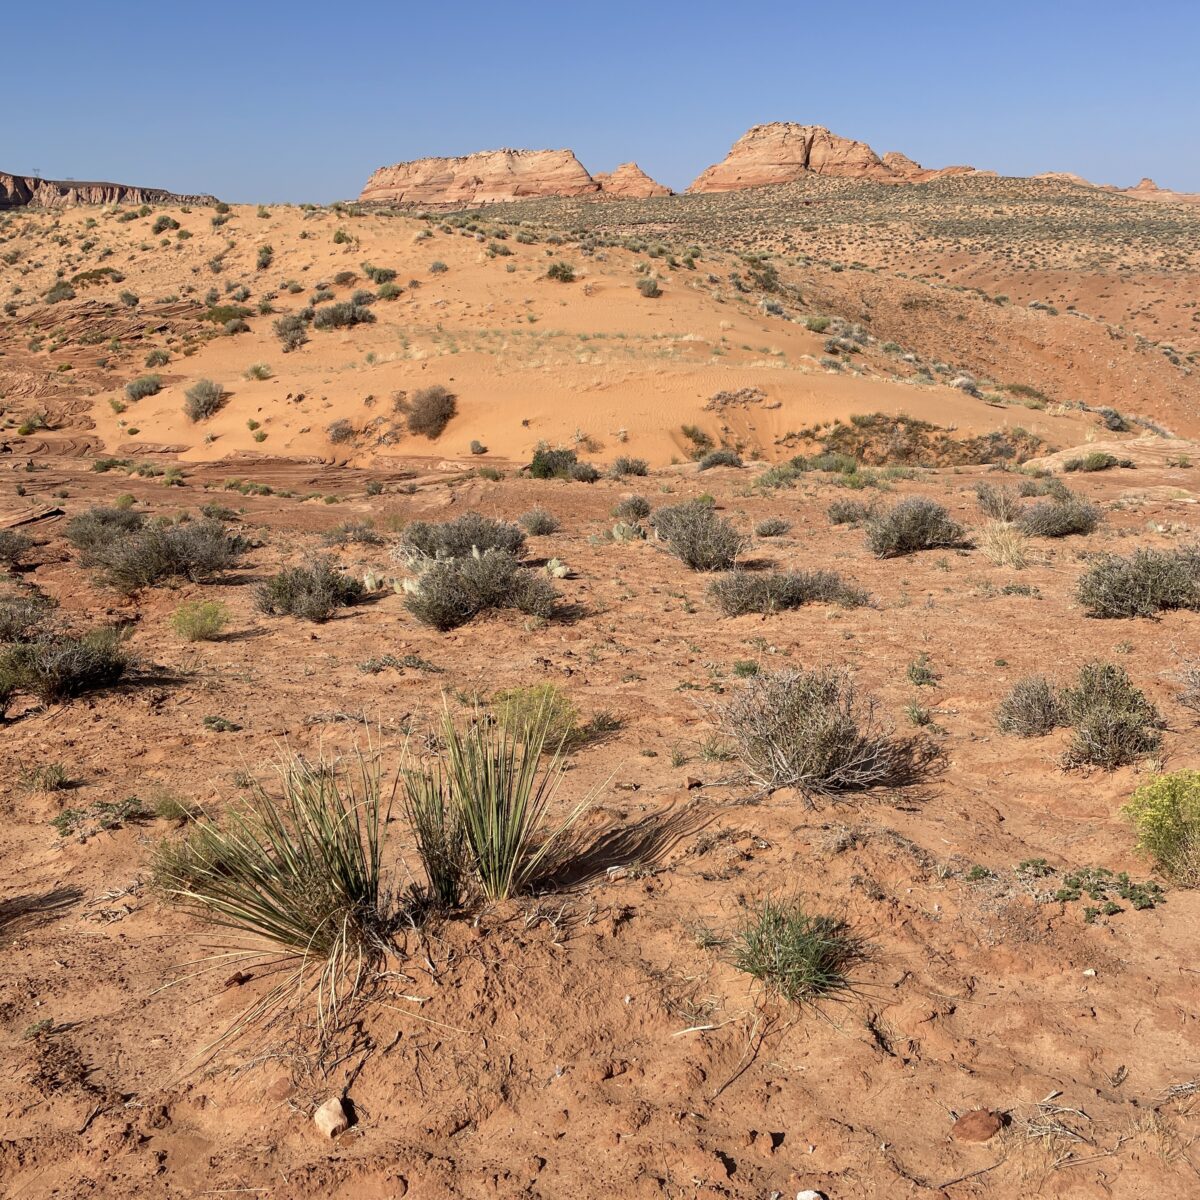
point(1004, 544)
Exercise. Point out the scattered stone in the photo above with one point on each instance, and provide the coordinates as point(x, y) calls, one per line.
point(978, 1125)
point(331, 1118)
point(809, 1194)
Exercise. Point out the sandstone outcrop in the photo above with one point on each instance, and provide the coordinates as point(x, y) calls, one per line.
point(630, 182)
point(27, 191)
point(488, 177)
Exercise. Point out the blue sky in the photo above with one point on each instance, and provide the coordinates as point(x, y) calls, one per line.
point(300, 101)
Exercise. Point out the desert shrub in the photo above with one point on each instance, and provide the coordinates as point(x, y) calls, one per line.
point(811, 731)
point(98, 527)
point(582, 472)
point(538, 522)
point(1004, 544)
point(202, 399)
point(449, 592)
point(539, 710)
point(342, 315)
point(292, 329)
point(1113, 722)
point(1047, 486)
point(772, 527)
point(389, 291)
point(624, 465)
point(460, 537)
point(264, 258)
point(849, 512)
point(563, 272)
point(914, 524)
point(360, 533)
point(1165, 812)
point(143, 386)
point(1188, 679)
point(200, 620)
point(313, 592)
point(552, 464)
point(157, 358)
point(194, 550)
point(58, 666)
point(378, 275)
point(340, 431)
point(25, 615)
point(699, 537)
point(1095, 460)
point(742, 592)
point(430, 410)
point(299, 871)
point(632, 508)
point(1001, 504)
point(258, 371)
point(800, 957)
point(720, 458)
point(477, 447)
point(649, 288)
point(1059, 517)
point(13, 547)
point(1142, 584)
point(1030, 709)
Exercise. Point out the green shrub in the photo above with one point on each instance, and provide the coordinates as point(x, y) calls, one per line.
point(1165, 811)
point(582, 472)
point(460, 538)
point(649, 288)
point(632, 508)
point(313, 592)
point(540, 710)
point(1113, 723)
point(143, 386)
point(695, 534)
point(342, 315)
point(914, 524)
point(378, 275)
point(200, 620)
point(552, 464)
point(849, 512)
point(624, 465)
point(563, 272)
point(449, 592)
point(1096, 460)
point(59, 666)
point(742, 592)
point(292, 329)
point(1142, 584)
point(1059, 518)
point(202, 399)
point(772, 527)
point(193, 550)
point(157, 358)
point(809, 730)
point(13, 547)
point(96, 528)
point(538, 522)
point(264, 258)
point(720, 458)
point(1030, 709)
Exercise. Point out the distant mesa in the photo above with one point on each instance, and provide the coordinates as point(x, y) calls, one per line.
point(28, 191)
point(496, 176)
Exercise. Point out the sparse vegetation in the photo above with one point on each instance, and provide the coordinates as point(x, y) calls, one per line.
point(699, 537)
point(202, 399)
point(1165, 812)
point(1113, 723)
point(742, 592)
point(1143, 584)
point(449, 593)
point(312, 592)
point(914, 524)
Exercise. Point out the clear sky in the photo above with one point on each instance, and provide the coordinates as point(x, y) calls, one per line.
point(293, 101)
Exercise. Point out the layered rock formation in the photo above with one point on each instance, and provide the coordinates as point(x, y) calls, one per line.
point(485, 178)
point(782, 152)
point(630, 182)
point(26, 191)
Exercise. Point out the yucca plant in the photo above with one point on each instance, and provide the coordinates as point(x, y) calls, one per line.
point(440, 835)
point(501, 791)
point(300, 871)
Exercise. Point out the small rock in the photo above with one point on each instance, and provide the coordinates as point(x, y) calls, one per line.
point(331, 1118)
point(691, 783)
point(1090, 973)
point(809, 1194)
point(977, 1125)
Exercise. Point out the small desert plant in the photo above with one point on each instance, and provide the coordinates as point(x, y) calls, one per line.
point(849, 512)
point(1030, 709)
point(540, 710)
point(624, 465)
point(98, 527)
point(25, 616)
point(202, 399)
point(801, 957)
point(720, 458)
point(300, 871)
point(1188, 678)
point(340, 431)
point(359, 533)
point(649, 288)
point(1059, 517)
point(582, 472)
point(1143, 584)
point(1001, 504)
point(259, 371)
point(538, 522)
point(13, 547)
point(699, 537)
point(143, 386)
point(459, 537)
point(158, 358)
point(448, 593)
point(200, 620)
point(430, 410)
point(1165, 811)
point(772, 527)
point(632, 508)
point(439, 834)
point(313, 592)
point(914, 524)
point(58, 666)
point(292, 330)
point(742, 592)
point(342, 315)
point(552, 464)
point(810, 730)
point(194, 550)
point(1114, 723)
point(1004, 544)
point(563, 272)
point(1095, 460)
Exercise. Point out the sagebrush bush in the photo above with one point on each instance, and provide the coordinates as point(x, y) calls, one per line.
point(1060, 517)
point(1031, 709)
point(1165, 812)
point(914, 524)
point(25, 615)
point(1001, 504)
point(59, 666)
point(811, 731)
point(429, 410)
point(699, 537)
point(194, 550)
point(1142, 584)
point(583, 472)
point(742, 592)
point(449, 592)
point(538, 522)
point(720, 458)
point(459, 537)
point(341, 315)
point(200, 620)
point(359, 533)
point(13, 547)
point(313, 592)
point(849, 512)
point(632, 508)
point(1096, 460)
point(552, 464)
point(772, 527)
point(292, 329)
point(624, 465)
point(143, 386)
point(1113, 722)
point(99, 526)
point(202, 399)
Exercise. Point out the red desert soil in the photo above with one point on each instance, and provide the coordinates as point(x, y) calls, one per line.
point(590, 1039)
